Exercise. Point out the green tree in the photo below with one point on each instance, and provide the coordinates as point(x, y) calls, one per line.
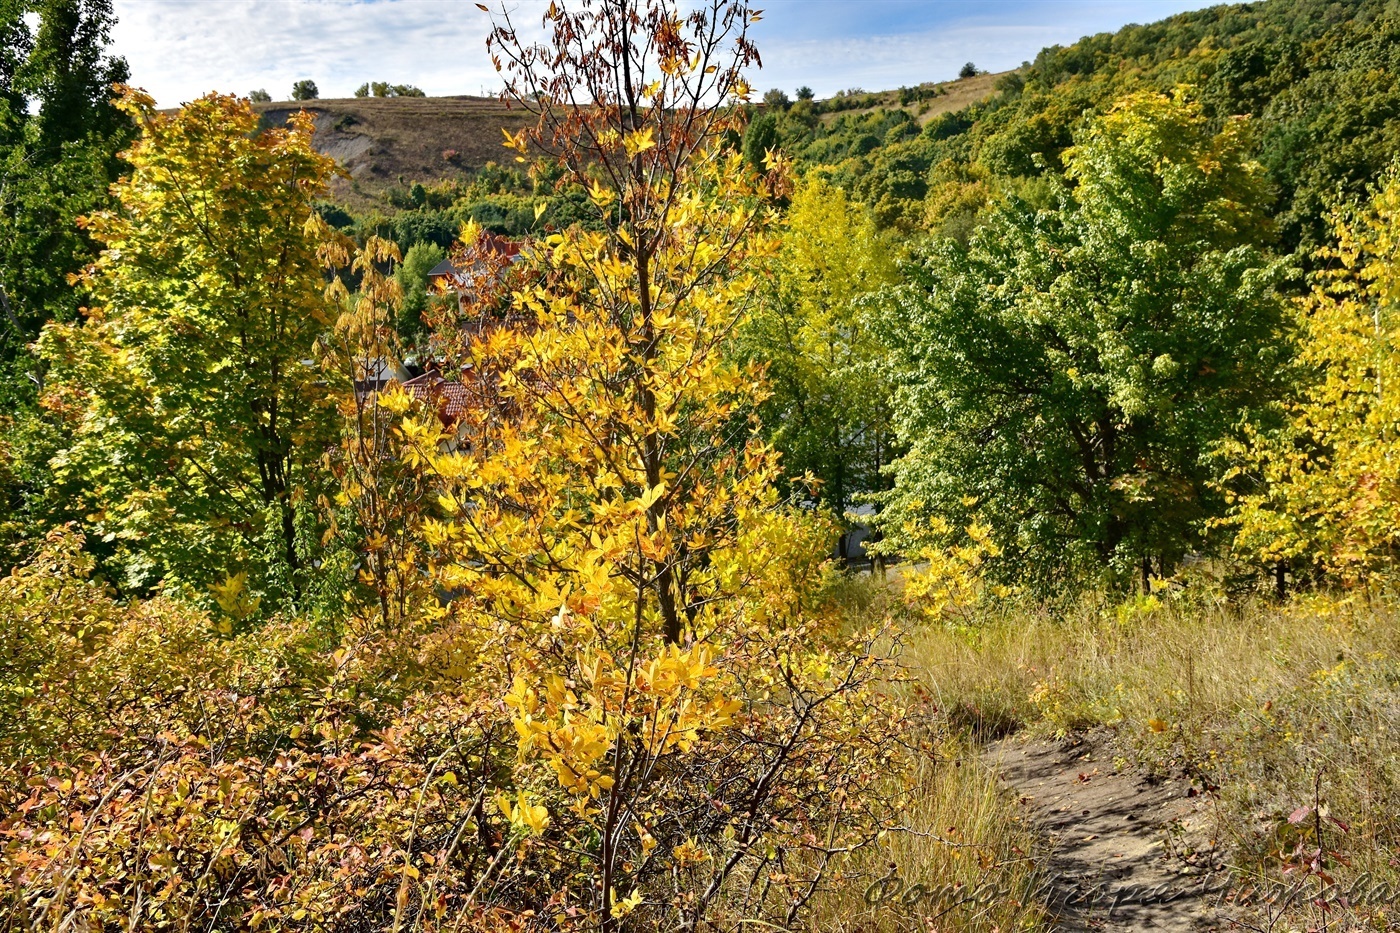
point(197, 416)
point(412, 275)
point(968, 70)
point(58, 137)
point(362, 90)
point(1063, 375)
point(260, 96)
point(760, 136)
point(829, 411)
point(305, 89)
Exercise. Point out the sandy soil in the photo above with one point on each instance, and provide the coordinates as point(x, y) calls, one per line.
point(1127, 853)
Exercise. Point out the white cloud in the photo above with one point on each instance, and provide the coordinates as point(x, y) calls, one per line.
point(179, 49)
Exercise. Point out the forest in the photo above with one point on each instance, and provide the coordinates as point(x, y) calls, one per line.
point(721, 510)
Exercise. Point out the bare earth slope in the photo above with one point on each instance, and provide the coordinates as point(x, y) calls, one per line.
point(380, 140)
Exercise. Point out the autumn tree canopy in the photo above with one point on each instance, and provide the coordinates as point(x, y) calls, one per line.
point(195, 405)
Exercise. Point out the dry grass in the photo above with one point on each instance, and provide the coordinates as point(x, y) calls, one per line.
point(962, 860)
point(1267, 706)
point(962, 856)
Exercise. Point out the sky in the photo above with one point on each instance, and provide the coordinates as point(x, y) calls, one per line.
point(180, 49)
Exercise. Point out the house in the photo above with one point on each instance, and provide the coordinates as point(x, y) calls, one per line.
point(375, 374)
point(457, 404)
point(486, 257)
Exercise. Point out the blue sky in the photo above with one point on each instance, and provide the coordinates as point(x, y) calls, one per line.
point(179, 49)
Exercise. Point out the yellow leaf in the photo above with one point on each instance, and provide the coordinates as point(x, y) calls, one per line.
point(639, 141)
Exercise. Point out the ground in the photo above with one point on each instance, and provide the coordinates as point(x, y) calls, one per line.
point(1128, 852)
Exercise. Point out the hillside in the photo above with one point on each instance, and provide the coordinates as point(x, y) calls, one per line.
point(392, 142)
point(384, 142)
point(925, 101)
point(1319, 83)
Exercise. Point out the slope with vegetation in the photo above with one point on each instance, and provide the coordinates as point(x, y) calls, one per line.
point(548, 639)
point(388, 142)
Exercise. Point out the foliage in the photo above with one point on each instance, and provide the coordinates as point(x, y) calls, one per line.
point(1318, 78)
point(1061, 377)
point(260, 96)
point(195, 419)
point(381, 499)
point(305, 89)
point(968, 70)
point(385, 89)
point(830, 404)
point(58, 136)
point(1319, 490)
point(760, 138)
point(412, 276)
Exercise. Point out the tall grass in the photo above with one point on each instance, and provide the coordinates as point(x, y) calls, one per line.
point(963, 858)
point(1280, 708)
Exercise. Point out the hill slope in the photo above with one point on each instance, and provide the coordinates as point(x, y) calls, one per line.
point(1319, 81)
point(395, 141)
point(392, 141)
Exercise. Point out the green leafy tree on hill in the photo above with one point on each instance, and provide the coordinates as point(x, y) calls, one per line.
point(305, 89)
point(412, 275)
point(760, 136)
point(1062, 377)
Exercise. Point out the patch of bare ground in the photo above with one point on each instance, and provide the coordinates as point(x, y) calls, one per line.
point(952, 97)
point(1128, 852)
point(380, 140)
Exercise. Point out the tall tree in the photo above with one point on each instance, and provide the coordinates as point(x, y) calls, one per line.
point(1063, 376)
point(829, 412)
point(630, 116)
point(59, 133)
point(196, 414)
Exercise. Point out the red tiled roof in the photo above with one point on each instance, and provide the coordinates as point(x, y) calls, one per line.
point(453, 400)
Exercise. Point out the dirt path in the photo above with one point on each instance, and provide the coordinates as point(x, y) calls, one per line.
point(1128, 854)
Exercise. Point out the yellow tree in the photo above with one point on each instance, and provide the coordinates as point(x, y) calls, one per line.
point(829, 412)
point(196, 416)
point(1323, 491)
point(382, 497)
point(618, 561)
